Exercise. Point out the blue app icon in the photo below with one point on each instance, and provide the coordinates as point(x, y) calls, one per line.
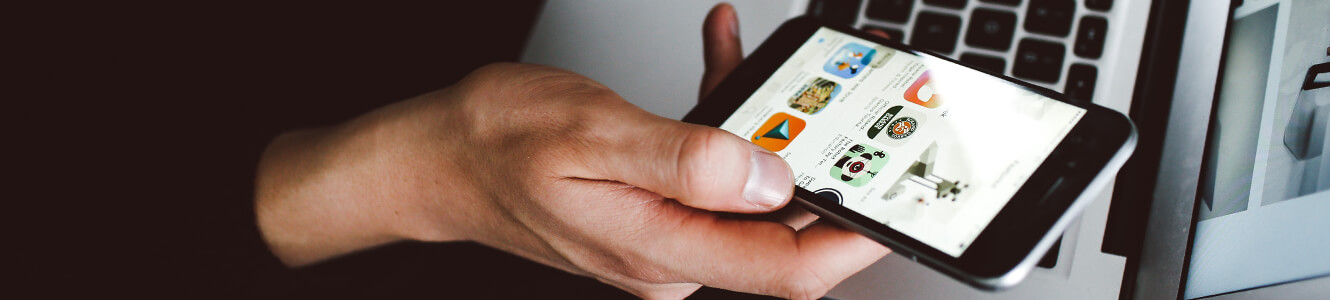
point(849, 60)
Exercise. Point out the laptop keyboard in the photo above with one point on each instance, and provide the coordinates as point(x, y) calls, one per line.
point(1028, 39)
point(1031, 40)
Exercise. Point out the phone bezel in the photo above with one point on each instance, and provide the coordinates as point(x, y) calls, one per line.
point(1023, 229)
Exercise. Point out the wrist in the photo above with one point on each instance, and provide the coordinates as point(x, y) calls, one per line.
point(327, 192)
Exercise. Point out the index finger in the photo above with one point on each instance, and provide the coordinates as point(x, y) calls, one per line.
point(766, 257)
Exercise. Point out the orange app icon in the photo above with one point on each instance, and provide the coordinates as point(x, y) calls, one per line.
point(778, 131)
point(922, 93)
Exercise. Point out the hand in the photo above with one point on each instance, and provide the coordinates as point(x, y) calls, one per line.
point(556, 168)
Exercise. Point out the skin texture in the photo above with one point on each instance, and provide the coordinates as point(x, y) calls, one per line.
point(557, 168)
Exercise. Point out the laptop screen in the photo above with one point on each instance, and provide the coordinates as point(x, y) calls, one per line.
point(1263, 216)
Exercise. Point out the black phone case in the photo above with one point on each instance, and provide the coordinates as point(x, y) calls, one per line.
point(1023, 230)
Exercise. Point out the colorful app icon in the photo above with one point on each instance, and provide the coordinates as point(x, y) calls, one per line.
point(850, 60)
point(778, 131)
point(859, 165)
point(815, 95)
point(895, 125)
point(902, 127)
point(922, 93)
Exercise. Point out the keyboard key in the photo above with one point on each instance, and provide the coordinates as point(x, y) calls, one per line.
point(991, 29)
point(1039, 60)
point(957, 4)
point(935, 31)
point(892, 33)
point(1090, 37)
point(985, 62)
point(1007, 2)
point(890, 10)
point(1080, 82)
point(835, 11)
point(1099, 5)
point(1050, 16)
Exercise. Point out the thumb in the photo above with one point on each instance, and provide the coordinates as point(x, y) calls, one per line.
point(699, 166)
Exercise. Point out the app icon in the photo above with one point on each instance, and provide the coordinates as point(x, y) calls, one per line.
point(882, 121)
point(849, 60)
point(815, 95)
point(859, 165)
point(922, 93)
point(901, 127)
point(895, 125)
point(778, 131)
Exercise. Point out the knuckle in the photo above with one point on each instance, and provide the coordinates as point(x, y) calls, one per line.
point(532, 81)
point(495, 69)
point(542, 81)
point(699, 154)
point(805, 284)
point(492, 74)
point(532, 97)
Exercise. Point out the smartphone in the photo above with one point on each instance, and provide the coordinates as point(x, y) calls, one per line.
point(971, 173)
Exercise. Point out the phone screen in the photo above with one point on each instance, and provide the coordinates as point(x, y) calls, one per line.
point(927, 147)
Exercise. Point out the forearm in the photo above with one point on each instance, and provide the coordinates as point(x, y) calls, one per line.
point(328, 192)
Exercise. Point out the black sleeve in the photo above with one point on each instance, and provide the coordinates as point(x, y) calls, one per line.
point(140, 128)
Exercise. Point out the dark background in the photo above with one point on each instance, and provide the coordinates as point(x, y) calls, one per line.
point(133, 131)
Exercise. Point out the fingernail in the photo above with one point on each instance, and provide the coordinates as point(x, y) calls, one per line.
point(734, 23)
point(769, 180)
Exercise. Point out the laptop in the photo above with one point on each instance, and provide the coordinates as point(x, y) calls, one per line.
point(1120, 54)
point(1241, 202)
